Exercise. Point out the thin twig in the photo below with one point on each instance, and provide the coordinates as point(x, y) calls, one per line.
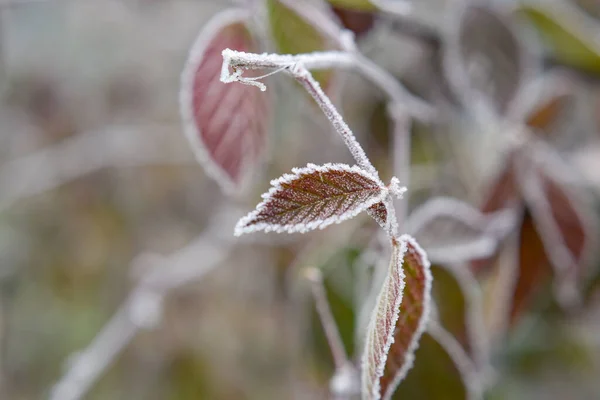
point(460, 358)
point(338, 351)
point(80, 155)
point(143, 307)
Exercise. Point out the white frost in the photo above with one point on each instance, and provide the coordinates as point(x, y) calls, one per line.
point(242, 225)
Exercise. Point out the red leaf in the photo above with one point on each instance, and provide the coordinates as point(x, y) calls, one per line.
point(398, 320)
point(564, 220)
point(359, 22)
point(314, 197)
point(546, 113)
point(379, 213)
point(225, 124)
point(502, 193)
point(533, 269)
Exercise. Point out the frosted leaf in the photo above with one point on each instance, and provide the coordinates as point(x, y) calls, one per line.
point(533, 270)
point(226, 125)
point(485, 61)
point(398, 320)
point(359, 21)
point(452, 231)
point(564, 219)
point(314, 197)
point(379, 213)
point(502, 193)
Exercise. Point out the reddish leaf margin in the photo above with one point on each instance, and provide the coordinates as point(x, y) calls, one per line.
point(389, 349)
point(225, 125)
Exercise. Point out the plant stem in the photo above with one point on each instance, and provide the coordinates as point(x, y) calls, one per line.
point(334, 338)
point(305, 78)
point(334, 59)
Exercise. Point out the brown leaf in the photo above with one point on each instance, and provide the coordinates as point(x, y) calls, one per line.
point(358, 21)
point(566, 224)
point(314, 197)
point(398, 320)
point(379, 213)
point(225, 124)
point(546, 113)
point(533, 271)
point(502, 193)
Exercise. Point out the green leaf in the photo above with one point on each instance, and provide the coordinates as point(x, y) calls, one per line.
point(434, 375)
point(359, 5)
point(567, 45)
point(292, 34)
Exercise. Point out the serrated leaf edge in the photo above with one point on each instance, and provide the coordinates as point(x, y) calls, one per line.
point(241, 227)
point(401, 247)
point(196, 55)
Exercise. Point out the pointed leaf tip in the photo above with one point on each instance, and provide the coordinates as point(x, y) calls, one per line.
point(226, 125)
point(313, 197)
point(398, 320)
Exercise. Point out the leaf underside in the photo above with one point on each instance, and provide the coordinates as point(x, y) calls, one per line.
point(398, 320)
point(313, 197)
point(225, 124)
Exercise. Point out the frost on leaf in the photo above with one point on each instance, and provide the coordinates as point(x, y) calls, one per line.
point(398, 320)
point(313, 197)
point(452, 231)
point(565, 223)
point(295, 34)
point(226, 125)
point(486, 61)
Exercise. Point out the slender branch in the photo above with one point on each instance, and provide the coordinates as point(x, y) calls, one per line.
point(340, 358)
point(462, 361)
point(143, 307)
point(72, 158)
point(297, 66)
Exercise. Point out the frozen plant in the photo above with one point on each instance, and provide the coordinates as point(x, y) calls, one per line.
point(226, 127)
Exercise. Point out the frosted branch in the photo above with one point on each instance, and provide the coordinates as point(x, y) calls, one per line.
point(143, 307)
point(298, 66)
point(340, 358)
point(85, 153)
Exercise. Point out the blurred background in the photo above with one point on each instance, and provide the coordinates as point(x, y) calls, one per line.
point(120, 277)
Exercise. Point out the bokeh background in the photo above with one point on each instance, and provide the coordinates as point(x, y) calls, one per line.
point(113, 237)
